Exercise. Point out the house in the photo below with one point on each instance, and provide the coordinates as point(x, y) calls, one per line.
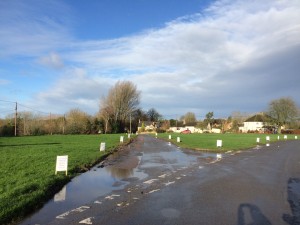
point(180, 129)
point(147, 126)
point(258, 123)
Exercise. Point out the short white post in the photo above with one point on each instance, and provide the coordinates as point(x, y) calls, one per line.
point(278, 137)
point(178, 139)
point(296, 137)
point(170, 137)
point(128, 136)
point(219, 143)
point(257, 140)
point(267, 139)
point(122, 139)
point(285, 137)
point(102, 146)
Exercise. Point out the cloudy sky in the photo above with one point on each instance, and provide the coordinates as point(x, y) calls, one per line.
point(197, 55)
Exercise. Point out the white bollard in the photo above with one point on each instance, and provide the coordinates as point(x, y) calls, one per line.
point(268, 138)
point(102, 146)
point(296, 137)
point(285, 137)
point(219, 143)
point(257, 140)
point(170, 137)
point(278, 137)
point(128, 136)
point(122, 139)
point(178, 139)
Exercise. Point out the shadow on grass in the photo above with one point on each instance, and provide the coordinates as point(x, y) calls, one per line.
point(251, 214)
point(16, 145)
point(294, 201)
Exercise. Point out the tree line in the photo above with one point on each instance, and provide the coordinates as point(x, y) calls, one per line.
point(119, 112)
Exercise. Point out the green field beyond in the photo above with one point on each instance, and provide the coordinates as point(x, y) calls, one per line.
point(27, 164)
point(28, 180)
point(208, 142)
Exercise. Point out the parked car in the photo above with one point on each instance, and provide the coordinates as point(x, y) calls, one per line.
point(186, 132)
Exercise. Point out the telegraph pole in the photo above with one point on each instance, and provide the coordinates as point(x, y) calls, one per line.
point(130, 123)
point(16, 114)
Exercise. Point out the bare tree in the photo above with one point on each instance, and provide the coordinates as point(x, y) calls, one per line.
point(122, 100)
point(283, 111)
point(190, 118)
point(153, 115)
point(77, 121)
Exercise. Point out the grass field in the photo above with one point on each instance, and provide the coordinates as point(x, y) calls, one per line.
point(27, 165)
point(229, 141)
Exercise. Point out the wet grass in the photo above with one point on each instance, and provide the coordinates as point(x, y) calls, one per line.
point(229, 141)
point(27, 165)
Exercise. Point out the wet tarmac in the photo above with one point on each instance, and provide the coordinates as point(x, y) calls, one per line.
point(146, 157)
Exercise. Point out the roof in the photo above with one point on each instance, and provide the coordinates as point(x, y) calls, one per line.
point(259, 118)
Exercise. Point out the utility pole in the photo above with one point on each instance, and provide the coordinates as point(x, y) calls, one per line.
point(16, 114)
point(64, 120)
point(50, 123)
point(130, 123)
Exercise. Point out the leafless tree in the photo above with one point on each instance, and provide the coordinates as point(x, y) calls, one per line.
point(122, 100)
point(283, 111)
point(190, 118)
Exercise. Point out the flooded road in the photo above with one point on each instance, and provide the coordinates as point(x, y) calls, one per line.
point(135, 165)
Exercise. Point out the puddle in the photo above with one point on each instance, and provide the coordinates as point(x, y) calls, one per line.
point(88, 186)
point(118, 170)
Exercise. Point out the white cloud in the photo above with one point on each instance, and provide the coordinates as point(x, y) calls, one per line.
point(74, 90)
point(53, 60)
point(32, 27)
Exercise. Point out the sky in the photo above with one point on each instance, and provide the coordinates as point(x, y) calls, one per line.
point(194, 56)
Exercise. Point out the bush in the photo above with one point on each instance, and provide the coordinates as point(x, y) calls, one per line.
point(296, 131)
point(7, 131)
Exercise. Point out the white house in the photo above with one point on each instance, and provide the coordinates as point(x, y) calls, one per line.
point(256, 123)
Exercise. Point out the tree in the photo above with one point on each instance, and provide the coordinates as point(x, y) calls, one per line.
point(120, 103)
point(190, 118)
point(153, 115)
point(209, 118)
point(283, 111)
point(77, 122)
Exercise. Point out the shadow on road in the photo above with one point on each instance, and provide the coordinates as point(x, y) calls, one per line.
point(251, 214)
point(294, 201)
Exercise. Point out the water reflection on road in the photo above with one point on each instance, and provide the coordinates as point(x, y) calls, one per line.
point(135, 162)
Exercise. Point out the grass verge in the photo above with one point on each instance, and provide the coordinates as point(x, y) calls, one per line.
point(208, 142)
point(27, 165)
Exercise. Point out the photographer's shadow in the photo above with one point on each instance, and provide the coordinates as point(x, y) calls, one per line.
point(249, 214)
point(294, 201)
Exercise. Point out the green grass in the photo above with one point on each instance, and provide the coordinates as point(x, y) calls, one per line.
point(27, 165)
point(229, 141)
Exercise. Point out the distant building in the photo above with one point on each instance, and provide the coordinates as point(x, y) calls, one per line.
point(147, 126)
point(259, 123)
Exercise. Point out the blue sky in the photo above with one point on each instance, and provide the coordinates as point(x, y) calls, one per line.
point(198, 55)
